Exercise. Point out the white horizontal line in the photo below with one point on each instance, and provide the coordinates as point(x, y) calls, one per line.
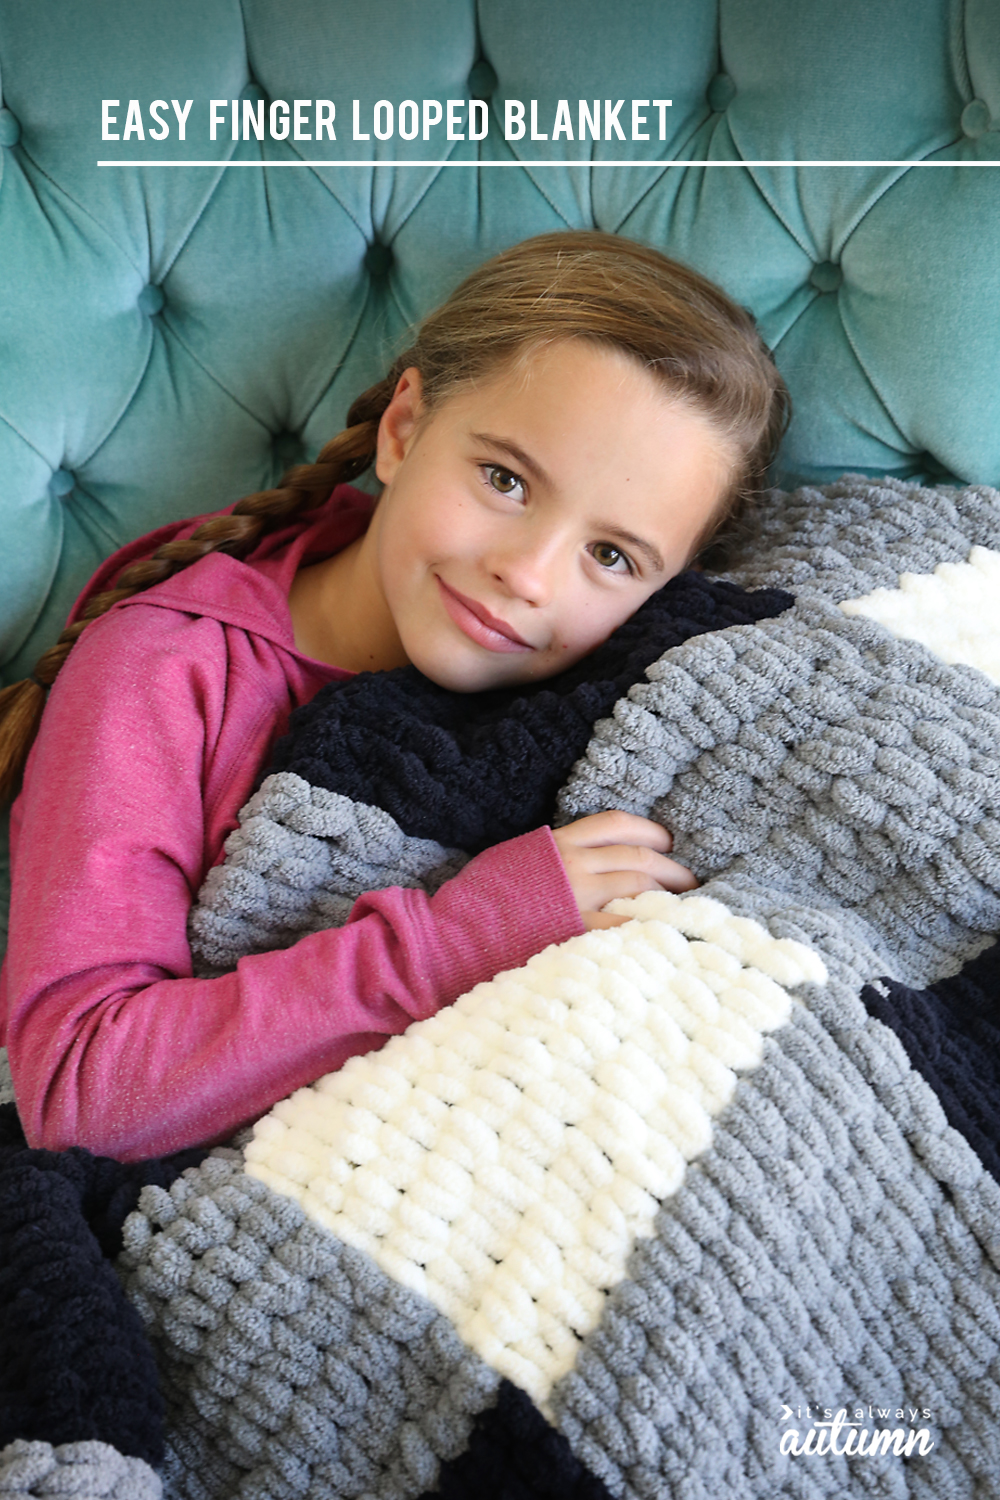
point(527, 162)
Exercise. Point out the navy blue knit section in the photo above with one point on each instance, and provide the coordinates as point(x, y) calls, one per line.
point(951, 1033)
point(472, 769)
point(514, 1454)
point(76, 1362)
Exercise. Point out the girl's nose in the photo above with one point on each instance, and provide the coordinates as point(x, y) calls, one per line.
point(527, 572)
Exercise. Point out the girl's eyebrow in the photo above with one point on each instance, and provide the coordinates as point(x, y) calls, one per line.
point(525, 460)
point(617, 533)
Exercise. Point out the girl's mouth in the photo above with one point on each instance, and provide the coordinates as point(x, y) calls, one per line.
point(475, 621)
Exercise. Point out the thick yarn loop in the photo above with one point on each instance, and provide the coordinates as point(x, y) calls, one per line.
point(88, 1471)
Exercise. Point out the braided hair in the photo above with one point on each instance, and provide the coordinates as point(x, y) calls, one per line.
point(611, 291)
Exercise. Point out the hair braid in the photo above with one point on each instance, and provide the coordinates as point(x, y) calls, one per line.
point(303, 488)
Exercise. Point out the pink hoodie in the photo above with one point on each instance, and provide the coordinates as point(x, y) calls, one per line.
point(151, 741)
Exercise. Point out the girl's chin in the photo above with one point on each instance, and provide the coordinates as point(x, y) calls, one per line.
point(477, 672)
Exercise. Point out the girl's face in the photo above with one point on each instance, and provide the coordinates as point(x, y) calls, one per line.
point(526, 518)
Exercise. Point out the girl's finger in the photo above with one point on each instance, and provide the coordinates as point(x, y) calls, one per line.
point(593, 919)
point(638, 859)
point(618, 885)
point(616, 827)
point(679, 879)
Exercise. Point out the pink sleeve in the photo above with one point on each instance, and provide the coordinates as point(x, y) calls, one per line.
point(113, 1044)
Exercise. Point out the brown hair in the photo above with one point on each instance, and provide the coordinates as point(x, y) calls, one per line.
point(575, 284)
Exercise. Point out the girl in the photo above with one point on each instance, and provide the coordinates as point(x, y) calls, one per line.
point(564, 436)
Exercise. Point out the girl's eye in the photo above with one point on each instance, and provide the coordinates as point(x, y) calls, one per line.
point(504, 481)
point(610, 558)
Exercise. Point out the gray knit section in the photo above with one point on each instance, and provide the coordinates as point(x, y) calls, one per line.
point(825, 759)
point(845, 539)
point(876, 1051)
point(839, 1246)
point(297, 863)
point(291, 1365)
point(87, 1471)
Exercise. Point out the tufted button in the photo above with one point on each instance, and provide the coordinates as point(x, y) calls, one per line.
point(150, 300)
point(378, 259)
point(935, 470)
point(252, 91)
point(721, 92)
point(288, 449)
point(826, 277)
point(482, 80)
point(975, 119)
point(62, 483)
point(10, 128)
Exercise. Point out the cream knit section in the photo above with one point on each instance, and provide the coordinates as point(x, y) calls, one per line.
point(502, 1157)
point(954, 611)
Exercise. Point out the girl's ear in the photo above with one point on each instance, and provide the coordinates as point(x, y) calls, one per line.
point(399, 424)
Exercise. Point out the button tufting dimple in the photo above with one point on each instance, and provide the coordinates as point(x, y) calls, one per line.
point(378, 259)
point(150, 300)
point(62, 483)
point(482, 80)
point(826, 277)
point(10, 128)
point(721, 92)
point(288, 449)
point(975, 119)
point(252, 91)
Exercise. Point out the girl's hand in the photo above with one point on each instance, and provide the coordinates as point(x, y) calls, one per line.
point(612, 854)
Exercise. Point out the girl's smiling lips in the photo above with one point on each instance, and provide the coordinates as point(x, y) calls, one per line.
point(475, 621)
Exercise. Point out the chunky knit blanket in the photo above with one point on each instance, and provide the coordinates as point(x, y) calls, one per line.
point(702, 1206)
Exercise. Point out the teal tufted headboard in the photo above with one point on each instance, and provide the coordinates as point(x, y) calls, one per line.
point(171, 337)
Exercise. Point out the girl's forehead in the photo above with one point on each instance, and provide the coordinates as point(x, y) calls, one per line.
point(579, 400)
point(555, 358)
point(578, 378)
